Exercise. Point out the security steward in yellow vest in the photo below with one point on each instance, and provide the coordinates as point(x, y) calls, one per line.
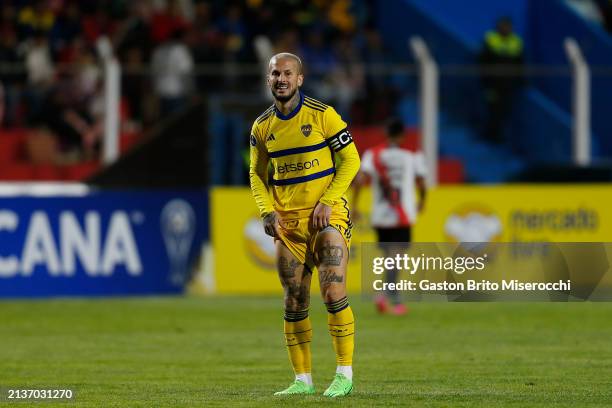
point(501, 62)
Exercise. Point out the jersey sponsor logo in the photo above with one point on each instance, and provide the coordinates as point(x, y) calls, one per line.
point(306, 129)
point(253, 140)
point(340, 140)
point(299, 166)
point(270, 138)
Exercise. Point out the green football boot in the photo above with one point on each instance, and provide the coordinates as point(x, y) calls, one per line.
point(340, 387)
point(297, 388)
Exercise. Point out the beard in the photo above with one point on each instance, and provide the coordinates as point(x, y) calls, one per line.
point(283, 98)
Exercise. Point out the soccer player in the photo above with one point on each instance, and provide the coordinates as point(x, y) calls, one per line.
point(394, 173)
point(303, 206)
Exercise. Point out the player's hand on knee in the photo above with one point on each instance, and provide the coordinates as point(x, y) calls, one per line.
point(321, 215)
point(270, 223)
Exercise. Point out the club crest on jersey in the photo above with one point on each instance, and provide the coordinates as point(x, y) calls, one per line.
point(306, 129)
point(253, 140)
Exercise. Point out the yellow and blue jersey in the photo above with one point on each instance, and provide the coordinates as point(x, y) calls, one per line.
point(300, 147)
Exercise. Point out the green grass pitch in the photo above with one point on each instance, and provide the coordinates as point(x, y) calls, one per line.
point(228, 351)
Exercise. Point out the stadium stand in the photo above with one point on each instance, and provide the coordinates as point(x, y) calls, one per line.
point(356, 56)
point(540, 128)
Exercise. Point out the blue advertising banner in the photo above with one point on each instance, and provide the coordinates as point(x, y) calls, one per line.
point(100, 242)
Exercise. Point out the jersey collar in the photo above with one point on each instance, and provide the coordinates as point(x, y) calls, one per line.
point(293, 112)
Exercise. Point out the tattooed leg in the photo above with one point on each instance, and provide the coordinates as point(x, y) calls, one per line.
point(331, 258)
point(295, 279)
point(297, 328)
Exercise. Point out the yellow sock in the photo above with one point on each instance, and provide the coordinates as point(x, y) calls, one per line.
point(342, 329)
point(298, 335)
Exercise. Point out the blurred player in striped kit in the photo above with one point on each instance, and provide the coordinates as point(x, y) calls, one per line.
point(395, 173)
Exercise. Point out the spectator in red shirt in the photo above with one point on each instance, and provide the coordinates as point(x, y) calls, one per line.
point(167, 22)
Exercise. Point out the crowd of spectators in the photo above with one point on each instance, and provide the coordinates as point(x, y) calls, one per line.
point(172, 51)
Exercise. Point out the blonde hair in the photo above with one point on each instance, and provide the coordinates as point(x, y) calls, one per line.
point(288, 55)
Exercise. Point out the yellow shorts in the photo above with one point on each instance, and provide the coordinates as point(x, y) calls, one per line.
point(299, 235)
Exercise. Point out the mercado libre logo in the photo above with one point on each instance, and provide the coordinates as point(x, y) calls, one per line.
point(560, 223)
point(259, 245)
point(473, 223)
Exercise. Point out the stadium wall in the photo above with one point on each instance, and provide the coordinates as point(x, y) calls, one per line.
point(551, 21)
point(244, 255)
point(469, 19)
point(456, 43)
point(173, 154)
